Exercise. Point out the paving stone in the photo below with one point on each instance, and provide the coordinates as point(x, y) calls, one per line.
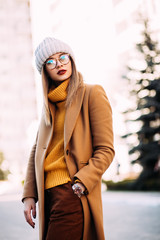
point(127, 216)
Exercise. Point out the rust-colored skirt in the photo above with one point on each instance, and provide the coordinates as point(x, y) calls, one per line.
point(63, 214)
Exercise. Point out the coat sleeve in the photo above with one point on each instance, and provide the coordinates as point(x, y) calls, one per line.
point(30, 186)
point(100, 115)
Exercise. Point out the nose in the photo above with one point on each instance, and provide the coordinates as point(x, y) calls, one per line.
point(59, 64)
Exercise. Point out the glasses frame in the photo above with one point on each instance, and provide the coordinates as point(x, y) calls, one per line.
point(45, 63)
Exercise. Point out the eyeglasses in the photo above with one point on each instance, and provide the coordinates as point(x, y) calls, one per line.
point(63, 59)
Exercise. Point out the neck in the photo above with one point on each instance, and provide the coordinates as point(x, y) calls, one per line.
point(57, 83)
point(58, 94)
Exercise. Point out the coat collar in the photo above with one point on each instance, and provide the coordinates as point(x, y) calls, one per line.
point(72, 113)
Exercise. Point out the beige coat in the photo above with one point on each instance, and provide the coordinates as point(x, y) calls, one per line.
point(88, 149)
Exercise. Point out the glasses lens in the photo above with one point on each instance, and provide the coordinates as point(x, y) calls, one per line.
point(64, 59)
point(51, 63)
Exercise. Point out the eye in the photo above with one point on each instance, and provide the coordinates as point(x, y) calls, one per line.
point(51, 61)
point(63, 57)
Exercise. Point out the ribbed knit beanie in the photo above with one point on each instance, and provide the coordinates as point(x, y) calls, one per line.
point(47, 48)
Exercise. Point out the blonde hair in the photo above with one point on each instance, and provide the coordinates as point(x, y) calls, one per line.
point(75, 83)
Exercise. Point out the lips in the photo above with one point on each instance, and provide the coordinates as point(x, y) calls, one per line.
point(61, 72)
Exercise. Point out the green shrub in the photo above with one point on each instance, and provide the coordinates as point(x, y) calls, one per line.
point(152, 184)
point(3, 173)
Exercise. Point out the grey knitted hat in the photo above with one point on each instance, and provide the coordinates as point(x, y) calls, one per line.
point(47, 48)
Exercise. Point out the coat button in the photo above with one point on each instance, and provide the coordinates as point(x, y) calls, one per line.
point(67, 151)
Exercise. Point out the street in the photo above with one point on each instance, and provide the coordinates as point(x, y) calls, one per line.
point(127, 216)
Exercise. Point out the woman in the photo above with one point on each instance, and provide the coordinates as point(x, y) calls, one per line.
point(73, 148)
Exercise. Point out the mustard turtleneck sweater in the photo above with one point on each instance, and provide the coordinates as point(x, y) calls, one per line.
point(56, 172)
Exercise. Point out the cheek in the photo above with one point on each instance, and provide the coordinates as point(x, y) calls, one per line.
point(52, 74)
point(70, 72)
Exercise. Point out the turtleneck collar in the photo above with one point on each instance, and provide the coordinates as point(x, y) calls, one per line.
point(59, 93)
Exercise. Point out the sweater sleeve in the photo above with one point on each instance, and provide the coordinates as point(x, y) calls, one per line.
point(100, 114)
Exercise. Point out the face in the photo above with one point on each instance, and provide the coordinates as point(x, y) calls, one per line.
point(62, 71)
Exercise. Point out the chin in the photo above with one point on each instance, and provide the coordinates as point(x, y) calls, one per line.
point(62, 78)
point(58, 80)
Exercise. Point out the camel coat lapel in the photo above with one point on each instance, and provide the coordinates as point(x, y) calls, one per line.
point(71, 116)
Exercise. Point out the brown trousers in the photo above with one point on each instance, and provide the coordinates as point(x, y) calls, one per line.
point(63, 214)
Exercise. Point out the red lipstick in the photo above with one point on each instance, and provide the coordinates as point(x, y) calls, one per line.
point(61, 72)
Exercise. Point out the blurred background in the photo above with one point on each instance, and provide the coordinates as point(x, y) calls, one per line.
point(117, 45)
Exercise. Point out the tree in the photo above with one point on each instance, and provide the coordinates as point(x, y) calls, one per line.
point(143, 77)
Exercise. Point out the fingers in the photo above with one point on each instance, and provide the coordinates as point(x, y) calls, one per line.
point(81, 186)
point(77, 190)
point(28, 218)
point(30, 211)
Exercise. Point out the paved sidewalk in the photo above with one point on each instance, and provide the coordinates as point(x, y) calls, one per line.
point(131, 215)
point(127, 216)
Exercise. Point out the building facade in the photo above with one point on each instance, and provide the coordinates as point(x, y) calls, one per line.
point(17, 85)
